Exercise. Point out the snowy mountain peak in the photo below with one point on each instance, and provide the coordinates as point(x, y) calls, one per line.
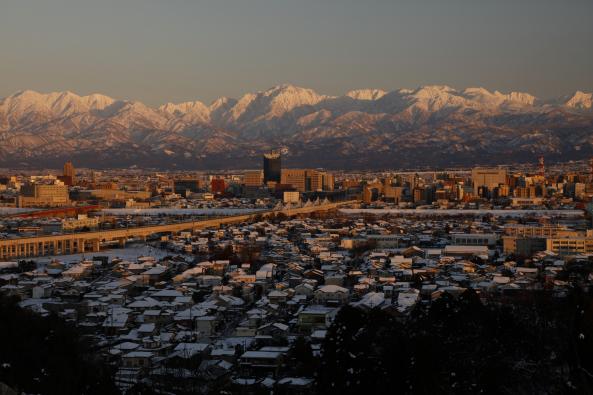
point(477, 91)
point(184, 108)
point(432, 98)
point(521, 98)
point(287, 87)
point(433, 90)
point(366, 94)
point(580, 100)
point(97, 101)
point(272, 103)
point(222, 102)
point(54, 104)
point(288, 93)
point(191, 111)
point(25, 94)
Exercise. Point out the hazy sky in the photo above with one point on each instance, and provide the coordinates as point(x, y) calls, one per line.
point(176, 50)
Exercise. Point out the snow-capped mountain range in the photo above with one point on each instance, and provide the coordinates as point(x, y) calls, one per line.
point(365, 128)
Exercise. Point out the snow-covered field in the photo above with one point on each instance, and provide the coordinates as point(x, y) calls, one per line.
point(129, 253)
point(454, 212)
point(179, 211)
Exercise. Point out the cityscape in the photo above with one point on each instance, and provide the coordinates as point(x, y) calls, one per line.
point(337, 239)
point(235, 282)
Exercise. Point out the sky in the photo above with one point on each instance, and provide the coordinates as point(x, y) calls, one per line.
point(179, 50)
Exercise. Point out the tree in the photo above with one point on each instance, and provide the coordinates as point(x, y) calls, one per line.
point(249, 253)
point(141, 389)
point(281, 217)
point(360, 249)
point(27, 266)
point(224, 254)
point(198, 296)
point(301, 356)
point(457, 345)
point(364, 352)
point(45, 355)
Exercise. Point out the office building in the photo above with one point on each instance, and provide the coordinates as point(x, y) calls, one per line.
point(539, 231)
point(393, 193)
point(68, 176)
point(253, 178)
point(525, 192)
point(488, 178)
point(44, 195)
point(296, 178)
point(321, 180)
point(272, 167)
point(308, 180)
point(183, 187)
point(570, 245)
point(69, 172)
point(524, 246)
point(217, 186)
point(474, 239)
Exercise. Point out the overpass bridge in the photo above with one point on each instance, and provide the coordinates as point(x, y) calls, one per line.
point(74, 243)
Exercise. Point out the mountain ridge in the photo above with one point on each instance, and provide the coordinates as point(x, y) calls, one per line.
point(365, 128)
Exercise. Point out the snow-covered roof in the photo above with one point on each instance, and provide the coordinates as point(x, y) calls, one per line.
point(332, 289)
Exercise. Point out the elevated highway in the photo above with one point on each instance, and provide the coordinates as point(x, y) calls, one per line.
point(73, 243)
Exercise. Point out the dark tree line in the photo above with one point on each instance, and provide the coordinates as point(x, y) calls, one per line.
point(533, 344)
point(46, 355)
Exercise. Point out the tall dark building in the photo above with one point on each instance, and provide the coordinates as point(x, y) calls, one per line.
point(272, 167)
point(183, 187)
point(69, 174)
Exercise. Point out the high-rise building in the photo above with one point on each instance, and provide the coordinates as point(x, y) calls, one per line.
point(296, 178)
point(319, 180)
point(272, 167)
point(69, 174)
point(488, 177)
point(308, 180)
